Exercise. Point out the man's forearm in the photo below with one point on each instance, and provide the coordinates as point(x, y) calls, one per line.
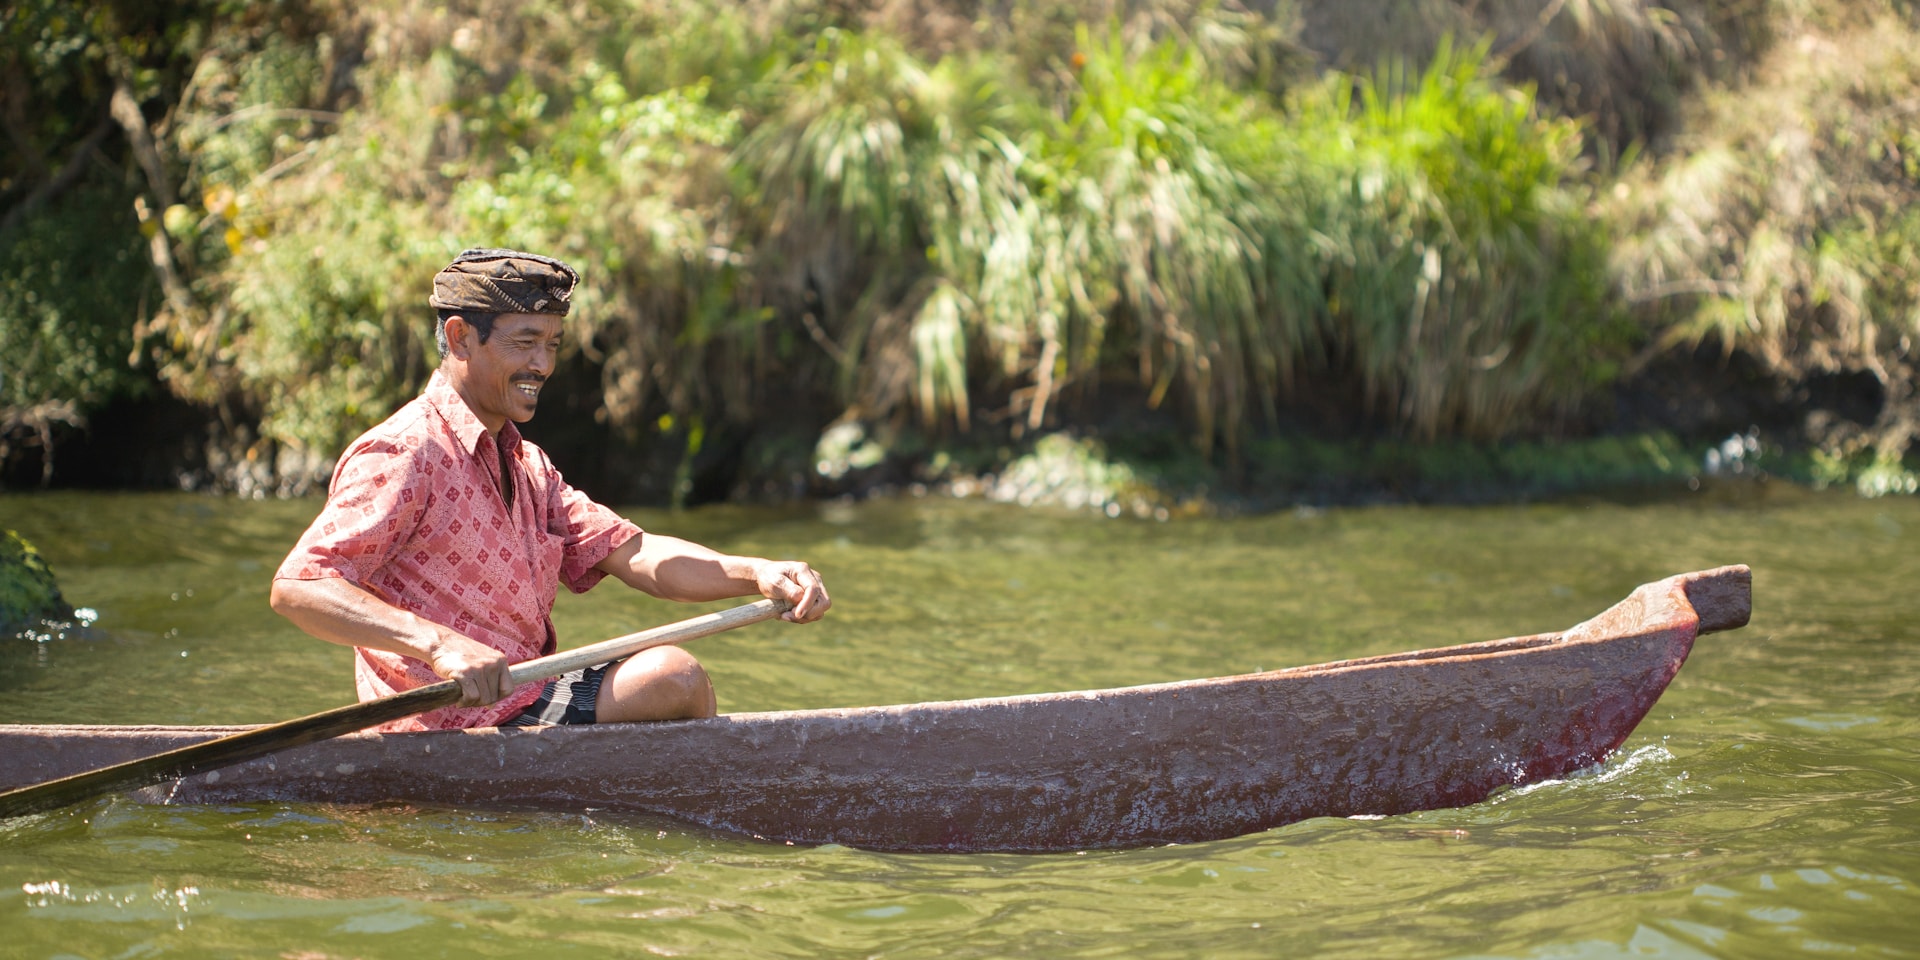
point(674, 569)
point(341, 612)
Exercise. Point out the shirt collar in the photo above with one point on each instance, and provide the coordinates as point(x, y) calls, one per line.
point(467, 428)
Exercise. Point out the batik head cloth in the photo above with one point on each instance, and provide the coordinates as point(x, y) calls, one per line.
point(504, 281)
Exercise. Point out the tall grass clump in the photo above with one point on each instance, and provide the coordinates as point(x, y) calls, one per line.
point(1459, 259)
point(963, 237)
point(843, 210)
point(940, 227)
point(1157, 165)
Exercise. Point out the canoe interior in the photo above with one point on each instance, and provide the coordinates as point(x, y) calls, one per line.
point(1174, 762)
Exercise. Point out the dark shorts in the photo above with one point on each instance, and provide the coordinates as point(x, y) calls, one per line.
point(567, 699)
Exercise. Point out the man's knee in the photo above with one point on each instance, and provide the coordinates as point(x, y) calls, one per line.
point(664, 683)
point(679, 674)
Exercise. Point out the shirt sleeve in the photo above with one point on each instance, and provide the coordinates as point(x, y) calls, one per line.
point(588, 532)
point(378, 495)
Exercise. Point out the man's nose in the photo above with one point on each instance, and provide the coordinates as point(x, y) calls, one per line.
point(541, 362)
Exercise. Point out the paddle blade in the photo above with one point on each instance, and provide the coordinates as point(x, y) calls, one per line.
point(224, 751)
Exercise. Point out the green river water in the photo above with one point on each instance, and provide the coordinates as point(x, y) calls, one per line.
point(1766, 807)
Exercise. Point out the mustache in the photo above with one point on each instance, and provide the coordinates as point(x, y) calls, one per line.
point(528, 378)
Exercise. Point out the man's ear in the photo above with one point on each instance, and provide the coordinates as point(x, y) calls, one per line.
point(457, 329)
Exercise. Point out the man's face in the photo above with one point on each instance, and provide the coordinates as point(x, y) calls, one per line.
point(503, 377)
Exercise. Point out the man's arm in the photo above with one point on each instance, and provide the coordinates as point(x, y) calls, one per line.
point(339, 611)
point(674, 569)
point(379, 492)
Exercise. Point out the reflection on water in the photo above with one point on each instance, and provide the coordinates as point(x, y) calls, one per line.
point(1765, 807)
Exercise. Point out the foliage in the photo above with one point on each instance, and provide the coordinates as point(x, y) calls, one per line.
point(109, 256)
point(64, 304)
point(1158, 167)
point(75, 271)
point(828, 213)
point(1627, 66)
point(1208, 224)
point(1788, 227)
point(1462, 263)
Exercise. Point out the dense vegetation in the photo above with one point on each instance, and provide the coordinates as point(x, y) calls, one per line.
point(827, 238)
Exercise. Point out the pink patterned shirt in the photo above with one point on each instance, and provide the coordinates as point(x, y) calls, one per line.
point(414, 515)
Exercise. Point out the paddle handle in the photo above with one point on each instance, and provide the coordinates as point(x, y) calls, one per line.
point(252, 744)
point(692, 628)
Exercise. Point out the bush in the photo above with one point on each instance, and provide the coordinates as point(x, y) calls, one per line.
point(1786, 228)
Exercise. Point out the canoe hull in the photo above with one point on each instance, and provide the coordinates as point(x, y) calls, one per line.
point(1178, 762)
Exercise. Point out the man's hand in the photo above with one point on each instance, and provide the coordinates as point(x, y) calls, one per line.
point(796, 583)
point(480, 670)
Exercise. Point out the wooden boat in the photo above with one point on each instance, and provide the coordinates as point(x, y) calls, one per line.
point(1173, 762)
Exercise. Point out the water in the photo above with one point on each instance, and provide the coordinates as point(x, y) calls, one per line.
point(1766, 807)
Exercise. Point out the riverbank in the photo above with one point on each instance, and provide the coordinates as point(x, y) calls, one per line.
point(1672, 431)
point(1301, 472)
point(1282, 254)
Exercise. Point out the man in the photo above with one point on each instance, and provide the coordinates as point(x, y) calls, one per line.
point(445, 536)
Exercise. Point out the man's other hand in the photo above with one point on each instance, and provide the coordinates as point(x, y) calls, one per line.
point(796, 583)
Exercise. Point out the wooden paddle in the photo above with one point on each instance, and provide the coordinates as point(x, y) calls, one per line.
point(258, 742)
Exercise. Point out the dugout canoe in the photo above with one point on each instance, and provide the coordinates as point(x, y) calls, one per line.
point(1172, 762)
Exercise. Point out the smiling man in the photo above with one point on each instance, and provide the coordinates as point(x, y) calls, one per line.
point(445, 536)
